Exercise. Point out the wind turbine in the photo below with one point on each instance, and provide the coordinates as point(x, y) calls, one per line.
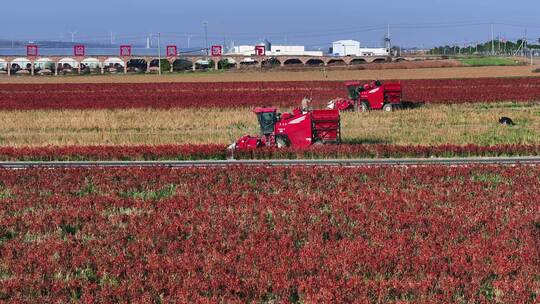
point(73, 36)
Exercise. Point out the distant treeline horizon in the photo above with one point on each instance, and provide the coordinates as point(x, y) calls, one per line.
point(497, 46)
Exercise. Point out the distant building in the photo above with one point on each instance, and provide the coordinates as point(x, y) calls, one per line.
point(345, 48)
point(293, 50)
point(374, 52)
point(274, 50)
point(246, 50)
point(352, 48)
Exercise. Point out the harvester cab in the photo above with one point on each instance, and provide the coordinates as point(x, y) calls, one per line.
point(267, 118)
point(353, 87)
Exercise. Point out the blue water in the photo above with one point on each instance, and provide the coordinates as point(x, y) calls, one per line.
point(114, 51)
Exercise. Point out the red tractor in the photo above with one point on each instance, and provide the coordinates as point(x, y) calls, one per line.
point(297, 129)
point(374, 96)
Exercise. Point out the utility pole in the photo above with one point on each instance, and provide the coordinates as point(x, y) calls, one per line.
point(188, 41)
point(388, 43)
point(112, 38)
point(525, 43)
point(499, 38)
point(205, 23)
point(492, 41)
point(388, 35)
point(159, 52)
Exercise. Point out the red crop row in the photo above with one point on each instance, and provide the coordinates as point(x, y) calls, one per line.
point(198, 152)
point(282, 94)
point(146, 152)
point(305, 235)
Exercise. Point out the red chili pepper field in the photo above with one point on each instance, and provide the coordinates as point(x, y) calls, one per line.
point(220, 152)
point(416, 234)
point(304, 235)
point(241, 94)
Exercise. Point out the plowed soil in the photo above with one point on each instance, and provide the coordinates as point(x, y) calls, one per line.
point(318, 74)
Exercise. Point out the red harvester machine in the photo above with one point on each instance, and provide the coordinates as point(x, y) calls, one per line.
point(374, 96)
point(297, 129)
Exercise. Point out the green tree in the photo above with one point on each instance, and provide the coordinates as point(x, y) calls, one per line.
point(165, 65)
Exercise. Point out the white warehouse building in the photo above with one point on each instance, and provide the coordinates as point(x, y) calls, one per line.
point(352, 48)
point(274, 50)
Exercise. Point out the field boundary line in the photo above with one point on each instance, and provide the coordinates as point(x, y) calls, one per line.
point(280, 162)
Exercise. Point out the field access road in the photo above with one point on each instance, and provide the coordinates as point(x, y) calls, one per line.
point(281, 163)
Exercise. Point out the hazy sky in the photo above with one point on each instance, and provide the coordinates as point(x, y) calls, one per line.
point(313, 23)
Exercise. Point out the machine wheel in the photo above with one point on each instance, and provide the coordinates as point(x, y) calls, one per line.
point(318, 143)
point(388, 107)
point(364, 106)
point(281, 142)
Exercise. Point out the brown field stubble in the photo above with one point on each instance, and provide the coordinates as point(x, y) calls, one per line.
point(431, 124)
point(315, 74)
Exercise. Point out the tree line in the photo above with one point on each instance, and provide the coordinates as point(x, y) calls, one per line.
point(498, 47)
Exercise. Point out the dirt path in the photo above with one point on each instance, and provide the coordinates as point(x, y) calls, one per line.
point(311, 75)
